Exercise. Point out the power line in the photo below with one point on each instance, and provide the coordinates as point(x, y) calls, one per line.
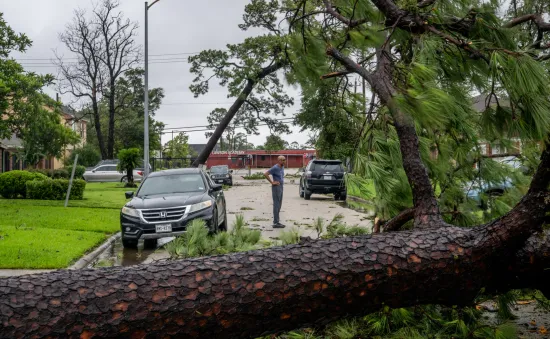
point(152, 55)
point(206, 129)
point(197, 103)
point(174, 128)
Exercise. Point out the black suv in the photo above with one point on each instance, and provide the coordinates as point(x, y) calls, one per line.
point(167, 201)
point(323, 176)
point(221, 175)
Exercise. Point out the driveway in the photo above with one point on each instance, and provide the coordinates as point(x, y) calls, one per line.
point(253, 199)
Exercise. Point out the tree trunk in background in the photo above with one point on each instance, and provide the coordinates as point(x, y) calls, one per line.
point(112, 112)
point(205, 153)
point(99, 133)
point(254, 293)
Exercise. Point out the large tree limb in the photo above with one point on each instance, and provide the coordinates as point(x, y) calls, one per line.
point(249, 294)
point(251, 82)
point(535, 18)
point(425, 204)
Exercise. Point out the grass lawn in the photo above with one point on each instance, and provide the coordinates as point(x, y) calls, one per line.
point(96, 195)
point(76, 219)
point(28, 247)
point(44, 234)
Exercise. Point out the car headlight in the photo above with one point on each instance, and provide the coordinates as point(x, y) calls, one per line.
point(200, 206)
point(132, 212)
point(227, 176)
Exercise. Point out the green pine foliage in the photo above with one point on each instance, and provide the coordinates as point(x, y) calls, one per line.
point(197, 241)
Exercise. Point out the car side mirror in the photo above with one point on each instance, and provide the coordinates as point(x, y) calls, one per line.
point(216, 188)
point(93, 171)
point(231, 171)
point(129, 195)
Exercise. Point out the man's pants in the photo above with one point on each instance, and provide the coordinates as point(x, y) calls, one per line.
point(277, 193)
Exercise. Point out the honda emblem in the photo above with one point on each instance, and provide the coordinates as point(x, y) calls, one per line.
point(163, 214)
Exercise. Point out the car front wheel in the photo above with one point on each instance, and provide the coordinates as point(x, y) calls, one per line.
point(129, 243)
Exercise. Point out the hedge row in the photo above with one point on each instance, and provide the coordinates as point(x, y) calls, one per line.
point(13, 184)
point(55, 189)
point(62, 173)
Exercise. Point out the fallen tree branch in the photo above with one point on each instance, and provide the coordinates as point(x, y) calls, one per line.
point(395, 223)
point(255, 293)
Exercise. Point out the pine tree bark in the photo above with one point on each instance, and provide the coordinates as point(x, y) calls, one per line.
point(249, 294)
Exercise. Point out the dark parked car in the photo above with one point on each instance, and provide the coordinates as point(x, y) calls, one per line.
point(322, 177)
point(167, 201)
point(222, 175)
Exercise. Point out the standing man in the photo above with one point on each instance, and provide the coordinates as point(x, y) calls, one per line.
point(278, 174)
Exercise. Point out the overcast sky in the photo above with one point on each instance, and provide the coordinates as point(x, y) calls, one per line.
point(175, 27)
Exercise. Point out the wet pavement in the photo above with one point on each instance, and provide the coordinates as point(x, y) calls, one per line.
point(117, 255)
point(252, 199)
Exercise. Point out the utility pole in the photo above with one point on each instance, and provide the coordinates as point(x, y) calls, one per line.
point(146, 94)
point(146, 100)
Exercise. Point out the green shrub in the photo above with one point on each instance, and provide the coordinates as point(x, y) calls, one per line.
point(55, 189)
point(60, 174)
point(13, 183)
point(88, 155)
point(78, 173)
point(45, 172)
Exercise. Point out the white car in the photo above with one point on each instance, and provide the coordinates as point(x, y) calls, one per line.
point(109, 173)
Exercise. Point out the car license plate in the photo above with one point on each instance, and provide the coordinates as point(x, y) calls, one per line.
point(163, 228)
point(219, 181)
point(327, 177)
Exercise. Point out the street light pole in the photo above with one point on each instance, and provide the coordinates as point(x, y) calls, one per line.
point(146, 100)
point(146, 94)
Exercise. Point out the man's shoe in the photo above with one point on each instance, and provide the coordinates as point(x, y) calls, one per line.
point(278, 225)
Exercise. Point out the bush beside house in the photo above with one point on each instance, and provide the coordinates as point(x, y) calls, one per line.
point(13, 183)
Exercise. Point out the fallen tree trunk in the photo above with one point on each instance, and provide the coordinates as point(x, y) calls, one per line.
point(249, 294)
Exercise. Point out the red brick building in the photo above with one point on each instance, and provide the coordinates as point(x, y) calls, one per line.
point(259, 158)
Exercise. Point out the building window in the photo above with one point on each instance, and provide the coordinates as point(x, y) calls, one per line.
point(483, 149)
point(263, 157)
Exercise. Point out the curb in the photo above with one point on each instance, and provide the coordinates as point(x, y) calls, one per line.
point(88, 258)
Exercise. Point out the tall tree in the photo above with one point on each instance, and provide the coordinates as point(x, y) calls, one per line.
point(84, 79)
point(128, 132)
point(44, 135)
point(21, 96)
point(250, 72)
point(120, 54)
point(274, 142)
point(105, 49)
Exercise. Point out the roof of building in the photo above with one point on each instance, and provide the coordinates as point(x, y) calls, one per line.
point(74, 114)
point(295, 152)
point(12, 143)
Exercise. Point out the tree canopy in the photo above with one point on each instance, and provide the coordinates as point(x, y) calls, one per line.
point(25, 111)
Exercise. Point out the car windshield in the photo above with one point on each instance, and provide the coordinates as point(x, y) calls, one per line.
point(176, 183)
point(327, 166)
point(219, 170)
